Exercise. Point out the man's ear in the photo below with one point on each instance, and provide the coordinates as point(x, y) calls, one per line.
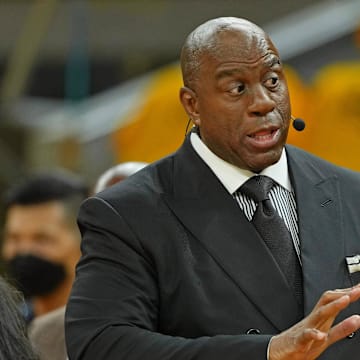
point(188, 99)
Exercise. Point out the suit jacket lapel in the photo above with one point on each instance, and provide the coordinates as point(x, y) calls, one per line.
point(229, 238)
point(320, 226)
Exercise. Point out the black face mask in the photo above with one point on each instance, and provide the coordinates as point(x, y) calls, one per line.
point(35, 276)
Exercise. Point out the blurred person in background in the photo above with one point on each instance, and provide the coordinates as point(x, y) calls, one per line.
point(47, 332)
point(116, 174)
point(47, 335)
point(41, 242)
point(41, 246)
point(14, 342)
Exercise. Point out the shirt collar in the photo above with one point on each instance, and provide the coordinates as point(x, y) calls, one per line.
point(233, 177)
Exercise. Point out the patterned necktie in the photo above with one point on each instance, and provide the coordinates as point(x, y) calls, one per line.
point(274, 232)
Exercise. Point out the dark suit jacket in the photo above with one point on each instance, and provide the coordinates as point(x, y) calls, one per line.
point(171, 268)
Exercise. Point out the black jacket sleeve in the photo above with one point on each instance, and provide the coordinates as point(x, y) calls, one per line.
point(114, 306)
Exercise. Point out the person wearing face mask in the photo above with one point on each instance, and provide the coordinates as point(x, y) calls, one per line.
point(41, 242)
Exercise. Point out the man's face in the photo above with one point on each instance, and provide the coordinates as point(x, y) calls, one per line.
point(41, 230)
point(241, 102)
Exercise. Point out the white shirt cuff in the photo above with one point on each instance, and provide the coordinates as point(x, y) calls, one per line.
point(268, 349)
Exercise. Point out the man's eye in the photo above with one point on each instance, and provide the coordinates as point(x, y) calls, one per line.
point(238, 89)
point(272, 82)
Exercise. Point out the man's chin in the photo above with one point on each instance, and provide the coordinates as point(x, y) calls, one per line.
point(264, 160)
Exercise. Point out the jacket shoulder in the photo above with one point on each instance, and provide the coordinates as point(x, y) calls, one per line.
point(312, 162)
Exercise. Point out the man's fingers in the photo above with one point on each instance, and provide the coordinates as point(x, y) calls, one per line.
point(326, 314)
point(314, 334)
point(331, 295)
point(344, 328)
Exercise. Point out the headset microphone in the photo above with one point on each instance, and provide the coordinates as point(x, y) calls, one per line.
point(298, 124)
point(187, 127)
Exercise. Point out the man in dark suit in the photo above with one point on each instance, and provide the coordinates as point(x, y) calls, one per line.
point(173, 266)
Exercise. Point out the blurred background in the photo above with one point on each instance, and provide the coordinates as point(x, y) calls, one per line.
point(87, 84)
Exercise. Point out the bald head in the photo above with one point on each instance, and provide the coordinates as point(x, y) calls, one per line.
point(204, 40)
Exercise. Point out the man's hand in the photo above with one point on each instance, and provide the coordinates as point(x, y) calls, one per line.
point(307, 339)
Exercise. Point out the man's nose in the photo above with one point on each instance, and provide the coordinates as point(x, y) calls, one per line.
point(261, 102)
point(25, 247)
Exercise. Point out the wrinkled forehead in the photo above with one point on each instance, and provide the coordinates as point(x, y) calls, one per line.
point(246, 43)
point(223, 40)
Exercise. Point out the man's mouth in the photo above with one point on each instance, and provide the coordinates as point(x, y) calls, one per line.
point(263, 135)
point(265, 138)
